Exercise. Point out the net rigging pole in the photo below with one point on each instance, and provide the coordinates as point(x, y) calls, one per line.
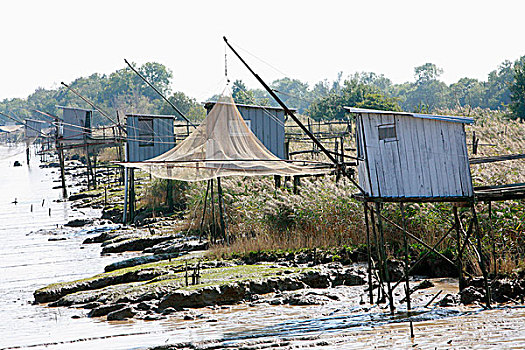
point(339, 165)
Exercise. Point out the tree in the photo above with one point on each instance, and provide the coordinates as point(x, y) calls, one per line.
point(353, 94)
point(426, 73)
point(241, 94)
point(187, 105)
point(497, 87)
point(517, 89)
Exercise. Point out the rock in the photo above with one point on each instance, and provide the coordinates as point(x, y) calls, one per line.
point(140, 260)
point(470, 295)
point(78, 196)
point(316, 279)
point(448, 300)
point(169, 310)
point(105, 309)
point(153, 317)
point(114, 214)
point(78, 222)
point(56, 239)
point(177, 247)
point(92, 305)
point(121, 314)
point(104, 236)
point(424, 285)
point(395, 270)
point(17, 163)
point(134, 244)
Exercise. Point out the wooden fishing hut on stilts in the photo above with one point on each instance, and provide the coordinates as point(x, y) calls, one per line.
point(148, 136)
point(413, 158)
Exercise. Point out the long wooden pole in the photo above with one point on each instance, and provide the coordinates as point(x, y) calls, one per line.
point(295, 119)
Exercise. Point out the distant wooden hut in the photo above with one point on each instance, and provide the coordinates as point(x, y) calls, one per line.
point(148, 135)
point(75, 124)
point(412, 156)
point(267, 123)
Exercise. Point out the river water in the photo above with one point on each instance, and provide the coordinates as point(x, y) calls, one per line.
point(31, 257)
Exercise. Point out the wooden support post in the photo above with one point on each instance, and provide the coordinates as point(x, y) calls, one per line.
point(380, 296)
point(407, 260)
point(296, 184)
point(204, 209)
point(62, 170)
point(277, 179)
point(336, 151)
point(169, 195)
point(459, 259)
point(493, 242)
point(384, 257)
point(369, 255)
point(94, 178)
point(131, 194)
point(27, 155)
point(213, 221)
point(481, 256)
point(222, 226)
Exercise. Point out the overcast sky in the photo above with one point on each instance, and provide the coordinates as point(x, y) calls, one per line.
point(46, 42)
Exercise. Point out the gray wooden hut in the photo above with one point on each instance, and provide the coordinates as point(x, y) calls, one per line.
point(148, 135)
point(411, 156)
point(75, 124)
point(267, 123)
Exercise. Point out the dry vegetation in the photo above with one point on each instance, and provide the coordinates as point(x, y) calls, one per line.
point(323, 214)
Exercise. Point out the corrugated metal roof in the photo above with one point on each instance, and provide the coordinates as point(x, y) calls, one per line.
point(447, 118)
point(76, 108)
point(210, 104)
point(150, 115)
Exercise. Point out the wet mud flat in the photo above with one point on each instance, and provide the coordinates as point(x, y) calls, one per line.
point(200, 303)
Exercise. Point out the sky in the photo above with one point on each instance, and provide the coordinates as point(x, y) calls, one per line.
point(46, 42)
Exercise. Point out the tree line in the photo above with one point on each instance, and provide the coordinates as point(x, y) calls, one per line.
point(124, 91)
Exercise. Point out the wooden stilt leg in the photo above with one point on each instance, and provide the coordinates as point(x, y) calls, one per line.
point(384, 258)
point(369, 256)
point(407, 260)
point(481, 257)
point(459, 260)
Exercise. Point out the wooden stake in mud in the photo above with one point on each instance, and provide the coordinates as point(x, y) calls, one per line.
point(481, 257)
point(459, 259)
point(407, 260)
point(384, 258)
point(62, 172)
point(369, 255)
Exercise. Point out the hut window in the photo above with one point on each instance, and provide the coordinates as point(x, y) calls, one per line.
point(387, 132)
point(145, 132)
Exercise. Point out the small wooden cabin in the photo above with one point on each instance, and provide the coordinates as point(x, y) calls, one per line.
point(148, 135)
point(267, 123)
point(411, 156)
point(75, 124)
